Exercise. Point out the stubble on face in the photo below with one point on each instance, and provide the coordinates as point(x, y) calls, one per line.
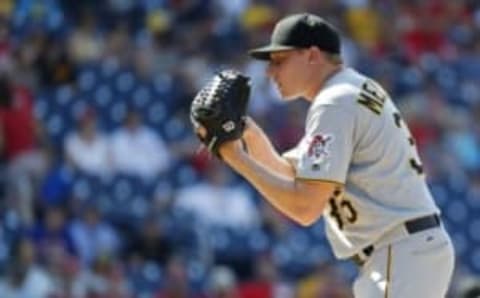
point(279, 67)
point(286, 69)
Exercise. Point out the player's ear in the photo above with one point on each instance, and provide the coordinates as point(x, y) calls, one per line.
point(315, 56)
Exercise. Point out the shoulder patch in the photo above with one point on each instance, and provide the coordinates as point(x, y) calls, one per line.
point(318, 150)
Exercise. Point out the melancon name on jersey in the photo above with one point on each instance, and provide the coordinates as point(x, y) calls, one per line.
point(372, 96)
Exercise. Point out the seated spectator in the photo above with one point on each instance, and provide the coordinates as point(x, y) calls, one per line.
point(54, 64)
point(64, 271)
point(222, 283)
point(86, 44)
point(57, 186)
point(24, 277)
point(150, 244)
point(265, 281)
point(87, 148)
point(176, 280)
point(93, 237)
point(106, 279)
point(462, 141)
point(52, 233)
point(6, 45)
point(325, 281)
point(137, 150)
point(6, 7)
point(217, 203)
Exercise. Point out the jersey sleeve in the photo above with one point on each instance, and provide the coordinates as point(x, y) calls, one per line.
point(326, 150)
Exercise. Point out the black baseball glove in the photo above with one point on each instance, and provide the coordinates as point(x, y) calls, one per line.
point(220, 108)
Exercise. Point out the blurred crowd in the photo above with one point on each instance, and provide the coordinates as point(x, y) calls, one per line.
point(104, 193)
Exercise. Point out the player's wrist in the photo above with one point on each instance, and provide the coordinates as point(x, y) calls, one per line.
point(249, 132)
point(231, 150)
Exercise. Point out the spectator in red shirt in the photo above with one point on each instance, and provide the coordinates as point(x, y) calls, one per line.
point(25, 162)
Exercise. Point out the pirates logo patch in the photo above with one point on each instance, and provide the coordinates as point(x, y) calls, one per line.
point(318, 149)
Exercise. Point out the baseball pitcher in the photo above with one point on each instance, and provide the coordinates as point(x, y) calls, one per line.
point(357, 164)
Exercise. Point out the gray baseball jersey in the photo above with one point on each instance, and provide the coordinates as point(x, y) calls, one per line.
point(355, 136)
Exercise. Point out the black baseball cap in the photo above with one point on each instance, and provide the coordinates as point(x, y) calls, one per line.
point(300, 31)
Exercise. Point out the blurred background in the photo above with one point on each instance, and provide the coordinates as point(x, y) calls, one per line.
point(103, 193)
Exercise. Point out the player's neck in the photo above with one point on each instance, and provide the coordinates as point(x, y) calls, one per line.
point(322, 78)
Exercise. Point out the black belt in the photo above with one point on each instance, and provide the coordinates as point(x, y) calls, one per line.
point(412, 226)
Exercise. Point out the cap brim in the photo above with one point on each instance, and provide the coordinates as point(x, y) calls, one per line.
point(263, 53)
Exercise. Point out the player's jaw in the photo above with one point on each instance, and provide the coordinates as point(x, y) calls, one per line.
point(289, 85)
point(286, 91)
point(286, 71)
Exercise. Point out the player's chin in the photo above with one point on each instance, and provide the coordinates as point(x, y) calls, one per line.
point(289, 96)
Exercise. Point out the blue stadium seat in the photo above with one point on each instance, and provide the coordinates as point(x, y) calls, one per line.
point(78, 107)
point(220, 239)
point(349, 270)
point(139, 207)
point(183, 174)
point(475, 259)
point(41, 107)
point(103, 96)
point(86, 187)
point(474, 231)
point(117, 113)
point(318, 252)
point(157, 188)
point(440, 194)
point(474, 202)
point(460, 242)
point(281, 255)
point(162, 83)
point(56, 128)
point(197, 274)
point(123, 188)
point(412, 78)
point(82, 189)
point(64, 95)
point(469, 92)
point(147, 280)
point(156, 114)
point(258, 241)
point(317, 230)
point(105, 203)
point(125, 82)
point(87, 80)
point(446, 77)
point(142, 98)
point(298, 242)
point(175, 129)
point(109, 68)
point(468, 67)
point(457, 211)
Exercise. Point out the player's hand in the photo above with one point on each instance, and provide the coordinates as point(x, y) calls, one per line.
point(200, 131)
point(220, 108)
point(228, 148)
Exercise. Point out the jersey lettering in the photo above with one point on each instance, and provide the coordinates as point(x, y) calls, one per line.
point(342, 212)
point(335, 213)
point(414, 164)
point(351, 214)
point(398, 119)
point(372, 96)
